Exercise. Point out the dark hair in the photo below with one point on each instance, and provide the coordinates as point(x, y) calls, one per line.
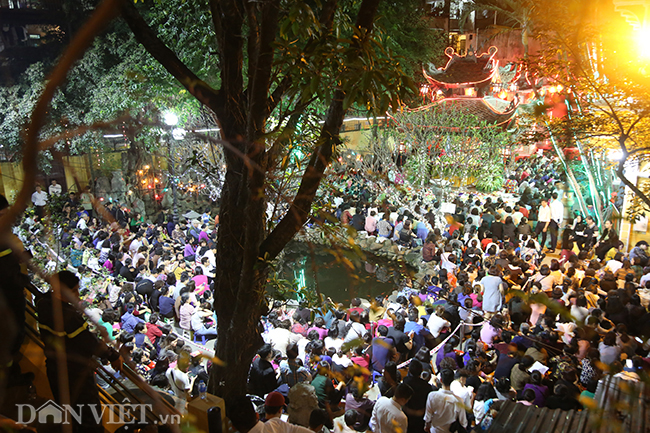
point(241, 413)
point(446, 377)
point(292, 351)
point(485, 392)
point(403, 391)
point(68, 279)
point(526, 362)
point(415, 369)
point(609, 339)
point(528, 395)
point(561, 390)
point(391, 369)
point(319, 417)
point(265, 351)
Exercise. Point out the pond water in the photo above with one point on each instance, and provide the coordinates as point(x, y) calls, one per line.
point(371, 276)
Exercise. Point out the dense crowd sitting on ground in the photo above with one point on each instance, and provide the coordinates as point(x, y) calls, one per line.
point(500, 315)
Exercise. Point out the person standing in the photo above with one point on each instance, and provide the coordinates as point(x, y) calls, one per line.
point(493, 289)
point(69, 345)
point(39, 199)
point(55, 188)
point(557, 215)
point(387, 415)
point(416, 406)
point(543, 222)
point(87, 201)
point(443, 407)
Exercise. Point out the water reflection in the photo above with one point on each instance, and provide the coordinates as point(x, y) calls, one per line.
point(368, 278)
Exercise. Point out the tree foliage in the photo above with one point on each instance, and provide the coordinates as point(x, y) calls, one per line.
point(590, 52)
point(446, 144)
point(276, 60)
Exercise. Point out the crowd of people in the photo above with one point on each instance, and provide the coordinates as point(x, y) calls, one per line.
point(500, 315)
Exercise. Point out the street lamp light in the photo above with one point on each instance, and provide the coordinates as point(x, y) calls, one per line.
point(172, 120)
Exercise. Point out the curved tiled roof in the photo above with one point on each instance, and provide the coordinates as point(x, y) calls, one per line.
point(464, 70)
point(481, 109)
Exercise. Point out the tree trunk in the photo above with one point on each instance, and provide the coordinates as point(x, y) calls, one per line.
point(620, 173)
point(242, 256)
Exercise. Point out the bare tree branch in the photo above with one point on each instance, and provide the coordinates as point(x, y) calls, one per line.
point(166, 57)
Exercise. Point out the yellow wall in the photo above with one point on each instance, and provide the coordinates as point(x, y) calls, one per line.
point(12, 179)
point(76, 167)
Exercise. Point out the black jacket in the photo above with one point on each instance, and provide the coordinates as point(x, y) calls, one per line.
point(80, 344)
point(262, 379)
point(421, 390)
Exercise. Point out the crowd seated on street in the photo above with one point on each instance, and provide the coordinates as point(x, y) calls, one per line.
point(500, 314)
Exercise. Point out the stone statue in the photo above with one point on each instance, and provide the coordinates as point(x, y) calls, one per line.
point(303, 401)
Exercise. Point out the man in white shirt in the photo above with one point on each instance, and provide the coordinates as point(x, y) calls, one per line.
point(179, 381)
point(387, 415)
point(39, 199)
point(82, 224)
point(461, 390)
point(543, 222)
point(443, 407)
point(281, 337)
point(645, 278)
point(55, 188)
point(557, 215)
point(437, 323)
point(357, 329)
point(136, 243)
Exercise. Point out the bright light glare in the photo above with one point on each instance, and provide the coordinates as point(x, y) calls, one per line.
point(170, 118)
point(178, 133)
point(643, 39)
point(614, 154)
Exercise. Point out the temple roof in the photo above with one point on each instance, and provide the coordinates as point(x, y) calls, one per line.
point(481, 109)
point(494, 112)
point(507, 74)
point(461, 71)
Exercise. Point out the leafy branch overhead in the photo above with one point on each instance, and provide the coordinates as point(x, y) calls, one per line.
point(278, 60)
point(604, 82)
